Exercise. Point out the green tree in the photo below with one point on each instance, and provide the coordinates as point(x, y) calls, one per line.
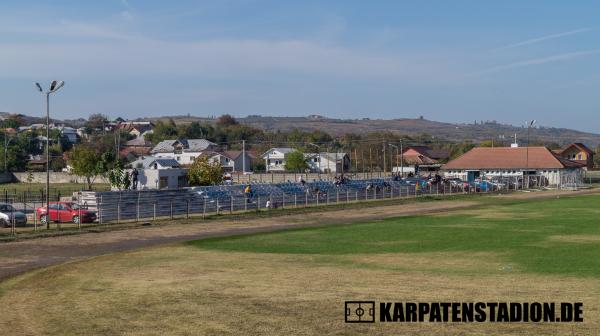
point(86, 162)
point(118, 177)
point(163, 130)
point(296, 161)
point(204, 173)
point(96, 122)
point(226, 120)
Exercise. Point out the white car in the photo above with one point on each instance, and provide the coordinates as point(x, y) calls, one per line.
point(8, 214)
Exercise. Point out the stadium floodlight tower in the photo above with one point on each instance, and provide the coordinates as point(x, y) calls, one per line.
point(529, 125)
point(54, 86)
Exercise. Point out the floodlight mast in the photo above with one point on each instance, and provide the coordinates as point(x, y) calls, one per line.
point(529, 125)
point(54, 86)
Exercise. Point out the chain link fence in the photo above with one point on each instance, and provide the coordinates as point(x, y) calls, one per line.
point(99, 209)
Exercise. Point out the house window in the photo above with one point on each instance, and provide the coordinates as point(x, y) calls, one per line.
point(579, 157)
point(316, 160)
point(226, 160)
point(178, 158)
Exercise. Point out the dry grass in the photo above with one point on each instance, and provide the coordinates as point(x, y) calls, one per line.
point(189, 291)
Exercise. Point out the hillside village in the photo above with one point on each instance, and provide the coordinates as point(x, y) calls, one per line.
point(241, 149)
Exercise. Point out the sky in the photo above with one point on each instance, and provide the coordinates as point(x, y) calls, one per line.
point(455, 61)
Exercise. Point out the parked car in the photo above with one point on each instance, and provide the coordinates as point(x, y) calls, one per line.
point(8, 213)
point(456, 182)
point(65, 212)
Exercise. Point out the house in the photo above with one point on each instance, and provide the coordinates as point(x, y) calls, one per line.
point(182, 150)
point(135, 148)
point(233, 161)
point(326, 162)
point(275, 158)
point(136, 128)
point(423, 155)
point(69, 133)
point(156, 173)
point(578, 152)
point(420, 158)
point(484, 162)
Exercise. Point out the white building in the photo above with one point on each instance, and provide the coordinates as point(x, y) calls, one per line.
point(233, 161)
point(183, 151)
point(486, 162)
point(275, 158)
point(156, 173)
point(326, 162)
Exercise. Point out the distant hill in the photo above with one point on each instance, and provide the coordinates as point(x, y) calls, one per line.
point(441, 130)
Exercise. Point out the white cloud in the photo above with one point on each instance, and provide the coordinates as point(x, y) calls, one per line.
point(535, 61)
point(117, 54)
point(543, 38)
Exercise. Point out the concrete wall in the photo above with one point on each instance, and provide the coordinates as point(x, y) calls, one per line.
point(55, 177)
point(62, 177)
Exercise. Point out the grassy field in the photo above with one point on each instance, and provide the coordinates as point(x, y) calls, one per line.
point(296, 282)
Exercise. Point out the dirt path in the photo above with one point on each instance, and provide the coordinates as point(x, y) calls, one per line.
point(21, 256)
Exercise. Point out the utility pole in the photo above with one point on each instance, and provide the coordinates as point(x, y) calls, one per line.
point(243, 157)
point(384, 163)
point(529, 125)
point(370, 161)
point(401, 160)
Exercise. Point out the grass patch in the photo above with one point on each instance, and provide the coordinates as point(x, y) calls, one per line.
point(523, 233)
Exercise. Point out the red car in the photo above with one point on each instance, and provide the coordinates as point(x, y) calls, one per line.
point(65, 212)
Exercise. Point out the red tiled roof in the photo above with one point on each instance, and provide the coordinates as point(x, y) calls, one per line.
point(418, 160)
point(430, 153)
point(577, 145)
point(510, 158)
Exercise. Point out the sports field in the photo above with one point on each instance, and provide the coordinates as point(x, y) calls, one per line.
point(296, 282)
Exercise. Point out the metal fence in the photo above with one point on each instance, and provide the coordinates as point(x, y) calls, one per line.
point(149, 205)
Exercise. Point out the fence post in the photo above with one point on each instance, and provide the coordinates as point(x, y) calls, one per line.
point(187, 204)
point(357, 196)
point(99, 211)
point(171, 209)
point(337, 197)
point(13, 229)
point(137, 210)
point(305, 199)
point(79, 209)
point(283, 199)
point(347, 196)
point(203, 208)
point(295, 200)
point(217, 206)
point(154, 211)
point(231, 206)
